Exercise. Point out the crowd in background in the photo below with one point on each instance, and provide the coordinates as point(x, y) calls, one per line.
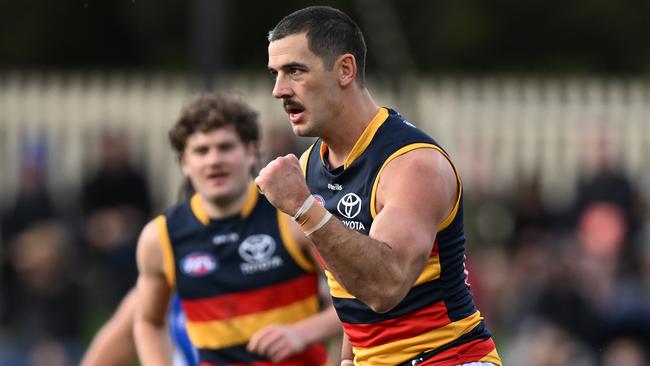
point(64, 272)
point(557, 287)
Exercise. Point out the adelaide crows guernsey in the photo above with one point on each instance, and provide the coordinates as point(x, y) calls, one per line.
point(437, 322)
point(235, 276)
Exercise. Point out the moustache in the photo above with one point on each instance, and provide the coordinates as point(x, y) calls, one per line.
point(288, 103)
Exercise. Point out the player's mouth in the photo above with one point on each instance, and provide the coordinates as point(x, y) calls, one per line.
point(217, 178)
point(295, 111)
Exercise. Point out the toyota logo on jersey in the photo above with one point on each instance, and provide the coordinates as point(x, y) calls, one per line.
point(349, 206)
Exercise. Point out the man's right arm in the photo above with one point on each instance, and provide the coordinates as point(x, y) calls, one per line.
point(153, 294)
point(415, 194)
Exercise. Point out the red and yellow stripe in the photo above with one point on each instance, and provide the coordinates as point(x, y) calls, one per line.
point(479, 350)
point(231, 319)
point(394, 352)
point(252, 301)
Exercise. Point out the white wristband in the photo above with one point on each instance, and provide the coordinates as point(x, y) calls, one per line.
point(309, 201)
point(347, 362)
point(322, 223)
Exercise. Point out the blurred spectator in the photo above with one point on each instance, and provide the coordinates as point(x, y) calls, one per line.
point(539, 343)
point(116, 204)
point(531, 214)
point(32, 205)
point(607, 184)
point(49, 352)
point(626, 351)
point(116, 182)
point(33, 201)
point(488, 290)
point(589, 292)
point(45, 306)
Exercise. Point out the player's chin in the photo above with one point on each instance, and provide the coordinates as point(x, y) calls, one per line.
point(218, 193)
point(302, 131)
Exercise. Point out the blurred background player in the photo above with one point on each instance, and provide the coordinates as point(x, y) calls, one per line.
point(242, 271)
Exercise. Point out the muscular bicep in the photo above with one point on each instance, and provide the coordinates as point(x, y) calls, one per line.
point(153, 291)
point(415, 193)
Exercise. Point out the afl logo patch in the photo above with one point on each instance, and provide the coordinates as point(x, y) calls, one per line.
point(318, 198)
point(198, 264)
point(349, 206)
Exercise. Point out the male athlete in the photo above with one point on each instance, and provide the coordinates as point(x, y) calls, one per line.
point(380, 200)
point(241, 268)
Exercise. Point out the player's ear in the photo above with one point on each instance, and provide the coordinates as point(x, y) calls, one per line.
point(346, 67)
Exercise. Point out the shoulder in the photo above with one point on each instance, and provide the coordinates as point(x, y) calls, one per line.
point(420, 163)
point(150, 232)
point(429, 173)
point(149, 244)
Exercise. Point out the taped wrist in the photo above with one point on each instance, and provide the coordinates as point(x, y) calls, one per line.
point(311, 216)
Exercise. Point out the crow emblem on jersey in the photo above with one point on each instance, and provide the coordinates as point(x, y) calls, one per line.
point(349, 206)
point(259, 253)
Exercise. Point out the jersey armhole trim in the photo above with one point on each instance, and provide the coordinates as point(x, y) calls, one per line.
point(168, 253)
point(304, 160)
point(404, 150)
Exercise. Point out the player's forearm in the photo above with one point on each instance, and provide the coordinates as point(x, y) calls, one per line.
point(152, 343)
point(319, 327)
point(346, 349)
point(110, 349)
point(368, 269)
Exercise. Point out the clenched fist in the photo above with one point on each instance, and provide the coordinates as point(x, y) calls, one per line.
point(283, 184)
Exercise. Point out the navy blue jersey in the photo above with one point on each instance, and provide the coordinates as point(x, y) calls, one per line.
point(437, 320)
point(237, 275)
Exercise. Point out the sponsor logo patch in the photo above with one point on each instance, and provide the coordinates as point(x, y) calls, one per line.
point(198, 264)
point(259, 253)
point(225, 238)
point(349, 206)
point(319, 199)
point(335, 186)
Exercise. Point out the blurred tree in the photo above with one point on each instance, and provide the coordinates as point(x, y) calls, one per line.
point(460, 36)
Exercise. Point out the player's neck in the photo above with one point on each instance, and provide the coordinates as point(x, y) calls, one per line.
point(225, 207)
point(358, 112)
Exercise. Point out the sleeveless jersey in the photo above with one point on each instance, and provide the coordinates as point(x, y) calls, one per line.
point(235, 276)
point(437, 322)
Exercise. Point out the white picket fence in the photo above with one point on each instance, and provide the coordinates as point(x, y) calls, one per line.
point(496, 129)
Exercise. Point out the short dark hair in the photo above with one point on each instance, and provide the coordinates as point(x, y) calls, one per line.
point(212, 111)
point(330, 33)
